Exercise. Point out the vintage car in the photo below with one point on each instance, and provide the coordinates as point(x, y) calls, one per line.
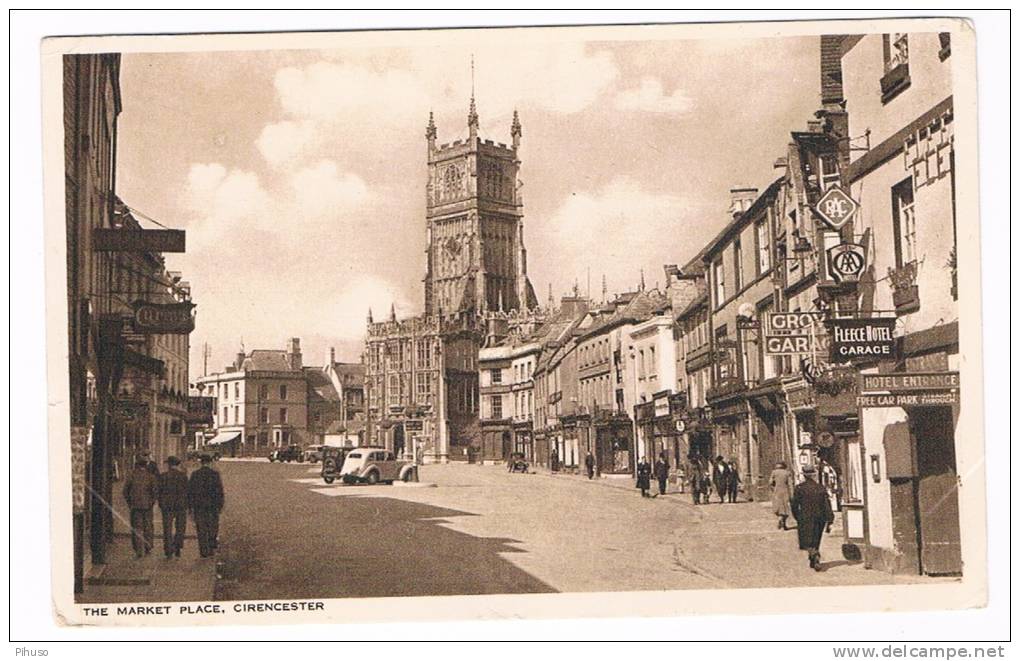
point(517, 463)
point(288, 454)
point(194, 454)
point(313, 453)
point(373, 465)
point(332, 462)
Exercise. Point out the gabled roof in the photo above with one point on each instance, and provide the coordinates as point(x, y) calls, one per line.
point(351, 374)
point(320, 386)
point(267, 360)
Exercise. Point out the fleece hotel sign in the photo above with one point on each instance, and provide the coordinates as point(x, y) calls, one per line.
point(862, 339)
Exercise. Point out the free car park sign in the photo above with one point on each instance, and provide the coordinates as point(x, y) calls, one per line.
point(836, 207)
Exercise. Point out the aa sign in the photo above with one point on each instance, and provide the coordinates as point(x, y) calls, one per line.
point(846, 262)
point(836, 207)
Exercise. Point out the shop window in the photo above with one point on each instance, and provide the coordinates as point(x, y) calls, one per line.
point(904, 222)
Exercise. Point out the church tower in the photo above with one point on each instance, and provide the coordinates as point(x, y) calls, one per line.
point(476, 260)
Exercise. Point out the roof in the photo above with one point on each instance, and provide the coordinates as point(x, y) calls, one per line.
point(267, 360)
point(741, 220)
point(320, 386)
point(351, 374)
point(698, 301)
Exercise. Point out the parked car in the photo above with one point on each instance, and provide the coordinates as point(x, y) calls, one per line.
point(374, 465)
point(194, 454)
point(288, 454)
point(517, 463)
point(313, 453)
point(332, 462)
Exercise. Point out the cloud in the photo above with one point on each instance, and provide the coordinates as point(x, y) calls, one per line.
point(347, 311)
point(309, 202)
point(649, 97)
point(282, 142)
point(616, 230)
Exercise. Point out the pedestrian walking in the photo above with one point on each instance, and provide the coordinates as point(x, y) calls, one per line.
point(554, 461)
point(140, 494)
point(781, 482)
point(813, 512)
point(172, 495)
point(695, 476)
point(719, 478)
point(732, 480)
point(644, 477)
point(662, 472)
point(205, 499)
point(589, 465)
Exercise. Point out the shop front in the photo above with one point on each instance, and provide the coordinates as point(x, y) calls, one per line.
point(614, 441)
point(523, 441)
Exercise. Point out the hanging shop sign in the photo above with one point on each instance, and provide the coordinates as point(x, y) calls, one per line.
point(862, 339)
point(413, 425)
point(137, 240)
point(846, 262)
point(791, 333)
point(836, 207)
point(158, 318)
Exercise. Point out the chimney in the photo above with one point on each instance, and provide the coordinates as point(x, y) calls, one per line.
point(330, 357)
point(741, 199)
point(575, 306)
point(238, 361)
point(831, 69)
point(294, 351)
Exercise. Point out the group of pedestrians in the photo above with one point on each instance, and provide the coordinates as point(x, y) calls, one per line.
point(176, 494)
point(808, 503)
point(718, 475)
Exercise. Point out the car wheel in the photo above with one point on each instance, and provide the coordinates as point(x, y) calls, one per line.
point(328, 480)
point(372, 478)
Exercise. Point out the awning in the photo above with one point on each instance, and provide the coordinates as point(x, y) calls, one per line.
point(224, 437)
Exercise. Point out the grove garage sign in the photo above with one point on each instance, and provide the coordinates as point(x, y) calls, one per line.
point(792, 333)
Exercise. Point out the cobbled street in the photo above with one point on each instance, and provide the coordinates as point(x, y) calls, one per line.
point(469, 529)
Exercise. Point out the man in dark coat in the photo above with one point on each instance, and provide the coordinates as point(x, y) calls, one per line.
point(589, 465)
point(720, 477)
point(732, 481)
point(554, 461)
point(644, 477)
point(205, 499)
point(662, 472)
point(140, 494)
point(813, 511)
point(173, 505)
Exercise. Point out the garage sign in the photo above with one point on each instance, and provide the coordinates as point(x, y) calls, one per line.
point(792, 333)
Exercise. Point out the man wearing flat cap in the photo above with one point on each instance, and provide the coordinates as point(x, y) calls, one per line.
point(205, 499)
point(173, 505)
point(813, 512)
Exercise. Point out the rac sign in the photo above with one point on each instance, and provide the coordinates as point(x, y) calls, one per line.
point(836, 207)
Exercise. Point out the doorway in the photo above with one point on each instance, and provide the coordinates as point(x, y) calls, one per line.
point(938, 509)
point(398, 440)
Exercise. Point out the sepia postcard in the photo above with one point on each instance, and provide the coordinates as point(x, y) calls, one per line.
point(645, 320)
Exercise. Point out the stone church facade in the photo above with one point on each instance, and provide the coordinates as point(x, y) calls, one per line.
point(422, 373)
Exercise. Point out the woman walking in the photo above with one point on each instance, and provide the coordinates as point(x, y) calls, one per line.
point(781, 482)
point(644, 476)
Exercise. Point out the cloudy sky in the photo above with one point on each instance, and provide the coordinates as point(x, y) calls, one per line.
point(299, 176)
